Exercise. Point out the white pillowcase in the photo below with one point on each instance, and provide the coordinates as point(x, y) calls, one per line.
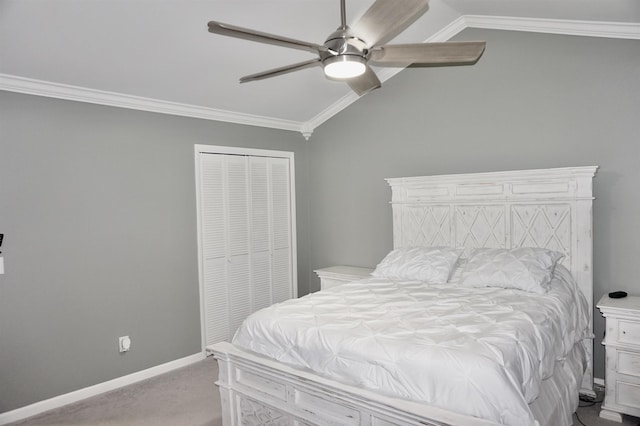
point(427, 264)
point(524, 268)
point(456, 273)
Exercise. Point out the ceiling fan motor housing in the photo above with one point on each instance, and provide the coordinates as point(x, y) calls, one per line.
point(342, 42)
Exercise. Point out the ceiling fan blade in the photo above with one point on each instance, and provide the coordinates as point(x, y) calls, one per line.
point(387, 18)
point(281, 70)
point(365, 83)
point(428, 54)
point(260, 37)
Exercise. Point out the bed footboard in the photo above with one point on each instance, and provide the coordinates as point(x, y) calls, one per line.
point(256, 390)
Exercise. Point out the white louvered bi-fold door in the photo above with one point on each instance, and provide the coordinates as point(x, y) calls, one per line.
point(246, 250)
point(281, 222)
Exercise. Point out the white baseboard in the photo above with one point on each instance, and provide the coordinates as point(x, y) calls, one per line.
point(598, 381)
point(68, 398)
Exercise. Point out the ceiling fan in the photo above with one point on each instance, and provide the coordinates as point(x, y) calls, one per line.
point(348, 51)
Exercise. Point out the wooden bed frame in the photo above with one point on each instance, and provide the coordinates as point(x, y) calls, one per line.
point(549, 208)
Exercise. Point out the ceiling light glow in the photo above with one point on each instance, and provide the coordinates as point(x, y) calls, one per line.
point(344, 66)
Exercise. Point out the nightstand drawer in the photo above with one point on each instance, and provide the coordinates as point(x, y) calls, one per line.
point(628, 363)
point(628, 332)
point(628, 394)
point(332, 282)
point(336, 275)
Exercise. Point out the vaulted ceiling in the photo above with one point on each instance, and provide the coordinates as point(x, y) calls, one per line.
point(157, 55)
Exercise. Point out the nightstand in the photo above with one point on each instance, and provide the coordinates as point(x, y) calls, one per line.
point(622, 346)
point(335, 275)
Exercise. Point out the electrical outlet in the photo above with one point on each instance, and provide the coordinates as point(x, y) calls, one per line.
point(124, 343)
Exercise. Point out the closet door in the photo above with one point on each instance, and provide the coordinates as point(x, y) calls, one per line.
point(245, 231)
point(261, 231)
point(238, 272)
point(213, 247)
point(281, 246)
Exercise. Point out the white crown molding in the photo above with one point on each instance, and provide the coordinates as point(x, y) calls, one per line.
point(81, 94)
point(556, 26)
point(49, 89)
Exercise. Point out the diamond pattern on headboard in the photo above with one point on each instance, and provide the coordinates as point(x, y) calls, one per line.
point(480, 226)
point(430, 225)
point(475, 226)
point(548, 208)
point(547, 226)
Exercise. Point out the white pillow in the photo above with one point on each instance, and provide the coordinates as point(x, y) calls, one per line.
point(456, 273)
point(428, 264)
point(524, 268)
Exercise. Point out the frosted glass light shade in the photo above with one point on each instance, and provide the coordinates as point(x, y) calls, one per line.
point(344, 66)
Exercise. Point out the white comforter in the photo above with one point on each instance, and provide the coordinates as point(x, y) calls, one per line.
point(476, 351)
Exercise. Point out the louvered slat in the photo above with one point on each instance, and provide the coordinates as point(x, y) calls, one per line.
point(214, 248)
point(216, 300)
point(261, 280)
point(239, 291)
point(212, 207)
point(281, 275)
point(280, 204)
point(259, 188)
point(260, 233)
point(237, 205)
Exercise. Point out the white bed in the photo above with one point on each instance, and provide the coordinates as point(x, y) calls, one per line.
point(354, 354)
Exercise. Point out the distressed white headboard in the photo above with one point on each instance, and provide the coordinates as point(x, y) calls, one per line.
point(550, 208)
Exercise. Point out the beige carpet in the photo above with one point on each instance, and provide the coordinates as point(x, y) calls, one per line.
point(589, 415)
point(185, 397)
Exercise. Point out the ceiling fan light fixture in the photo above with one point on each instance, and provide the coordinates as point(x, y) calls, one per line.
point(344, 66)
point(345, 54)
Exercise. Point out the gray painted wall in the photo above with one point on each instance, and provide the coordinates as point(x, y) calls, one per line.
point(98, 203)
point(533, 101)
point(99, 215)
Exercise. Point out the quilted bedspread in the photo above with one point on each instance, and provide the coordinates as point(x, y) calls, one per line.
point(477, 351)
